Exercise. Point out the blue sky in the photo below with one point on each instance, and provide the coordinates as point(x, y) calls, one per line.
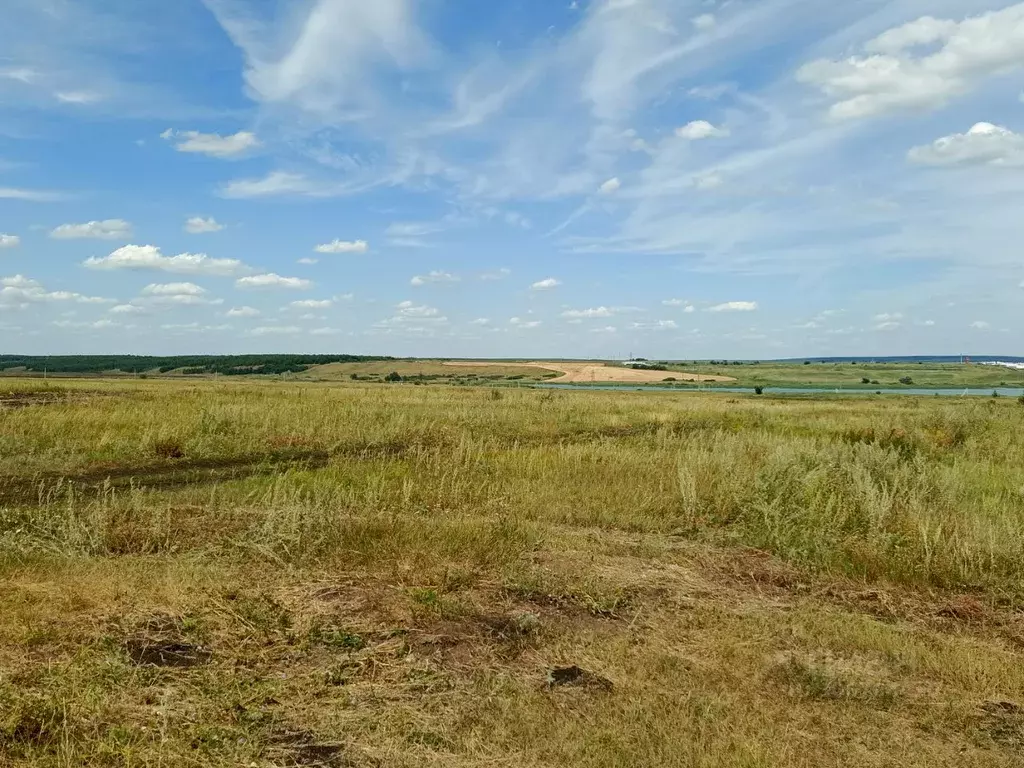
point(667, 178)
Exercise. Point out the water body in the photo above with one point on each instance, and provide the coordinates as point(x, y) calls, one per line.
point(914, 391)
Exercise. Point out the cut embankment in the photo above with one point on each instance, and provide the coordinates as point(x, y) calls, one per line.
point(582, 373)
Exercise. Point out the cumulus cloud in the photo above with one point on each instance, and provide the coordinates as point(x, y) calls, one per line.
point(586, 314)
point(140, 257)
point(409, 309)
point(212, 144)
point(435, 277)
point(921, 64)
point(480, 321)
point(127, 309)
point(110, 229)
point(9, 241)
point(173, 289)
point(546, 284)
point(700, 129)
point(734, 306)
point(18, 292)
point(983, 144)
point(343, 246)
point(312, 304)
point(980, 325)
point(518, 322)
point(610, 186)
point(272, 280)
point(197, 225)
point(242, 312)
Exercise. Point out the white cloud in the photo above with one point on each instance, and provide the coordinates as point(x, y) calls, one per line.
point(29, 195)
point(242, 312)
point(127, 309)
point(546, 284)
point(888, 317)
point(272, 280)
point(704, 22)
point(274, 183)
point(610, 186)
point(18, 292)
point(658, 325)
point(18, 281)
point(77, 97)
point(275, 330)
point(435, 277)
point(921, 64)
point(888, 325)
point(325, 62)
point(197, 225)
point(605, 329)
point(980, 325)
point(149, 257)
point(983, 144)
point(308, 262)
point(687, 306)
point(481, 321)
point(110, 229)
point(173, 289)
point(212, 144)
point(518, 322)
point(343, 246)
point(586, 314)
point(312, 304)
point(734, 306)
point(325, 332)
point(9, 241)
point(689, 309)
point(700, 129)
point(408, 309)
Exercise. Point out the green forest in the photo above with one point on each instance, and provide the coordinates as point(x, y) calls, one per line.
point(227, 365)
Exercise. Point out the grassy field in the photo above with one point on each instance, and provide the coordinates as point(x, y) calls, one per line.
point(250, 573)
point(862, 375)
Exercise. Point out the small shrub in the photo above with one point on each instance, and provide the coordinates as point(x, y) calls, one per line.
point(1020, 400)
point(865, 380)
point(906, 380)
point(758, 390)
point(393, 377)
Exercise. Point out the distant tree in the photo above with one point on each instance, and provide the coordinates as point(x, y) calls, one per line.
point(865, 380)
point(807, 362)
point(758, 390)
point(394, 376)
point(906, 380)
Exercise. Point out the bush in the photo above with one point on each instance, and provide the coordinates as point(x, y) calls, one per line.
point(1020, 400)
point(865, 380)
point(906, 380)
point(807, 362)
point(758, 390)
point(394, 376)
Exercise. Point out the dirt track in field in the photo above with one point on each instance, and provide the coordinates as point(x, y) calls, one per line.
point(581, 373)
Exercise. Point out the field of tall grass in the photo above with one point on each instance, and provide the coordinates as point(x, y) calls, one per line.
point(256, 573)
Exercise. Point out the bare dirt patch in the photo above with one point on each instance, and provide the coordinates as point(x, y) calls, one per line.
point(583, 373)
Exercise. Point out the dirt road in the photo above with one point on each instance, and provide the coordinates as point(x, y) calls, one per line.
point(581, 373)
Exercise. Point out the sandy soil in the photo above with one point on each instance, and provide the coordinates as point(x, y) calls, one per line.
point(579, 373)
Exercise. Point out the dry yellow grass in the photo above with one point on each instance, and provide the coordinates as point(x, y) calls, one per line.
point(250, 573)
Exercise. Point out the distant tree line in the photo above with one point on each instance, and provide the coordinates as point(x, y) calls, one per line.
point(227, 365)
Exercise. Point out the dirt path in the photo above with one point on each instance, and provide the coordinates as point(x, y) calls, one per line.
point(581, 373)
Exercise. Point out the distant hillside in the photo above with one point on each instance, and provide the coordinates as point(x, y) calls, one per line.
point(227, 365)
